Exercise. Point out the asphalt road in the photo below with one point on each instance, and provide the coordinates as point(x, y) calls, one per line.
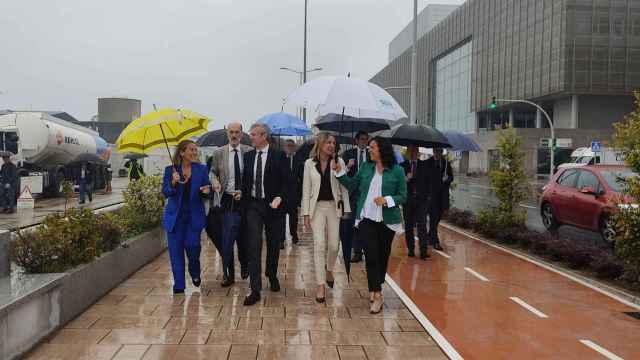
point(475, 194)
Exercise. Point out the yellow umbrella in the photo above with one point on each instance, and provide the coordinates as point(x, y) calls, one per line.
point(165, 127)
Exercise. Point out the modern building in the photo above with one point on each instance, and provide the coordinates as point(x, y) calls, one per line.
point(428, 18)
point(114, 114)
point(578, 59)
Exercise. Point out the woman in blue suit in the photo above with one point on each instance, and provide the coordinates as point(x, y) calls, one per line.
point(185, 183)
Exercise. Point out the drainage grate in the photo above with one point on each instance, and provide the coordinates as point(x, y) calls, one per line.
point(635, 315)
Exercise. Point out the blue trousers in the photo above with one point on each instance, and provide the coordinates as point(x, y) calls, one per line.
point(184, 240)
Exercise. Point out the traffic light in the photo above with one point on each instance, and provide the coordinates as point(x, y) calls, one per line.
point(493, 104)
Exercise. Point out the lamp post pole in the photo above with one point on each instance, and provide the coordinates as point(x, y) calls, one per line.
point(546, 115)
point(304, 60)
point(414, 65)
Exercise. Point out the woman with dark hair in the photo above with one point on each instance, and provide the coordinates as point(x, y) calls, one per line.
point(381, 189)
point(185, 183)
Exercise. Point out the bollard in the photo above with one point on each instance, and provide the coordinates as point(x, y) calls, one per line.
point(5, 262)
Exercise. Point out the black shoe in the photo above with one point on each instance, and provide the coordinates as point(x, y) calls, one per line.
point(196, 282)
point(356, 258)
point(438, 247)
point(424, 255)
point(253, 298)
point(282, 246)
point(244, 273)
point(274, 284)
point(412, 253)
point(178, 291)
point(90, 197)
point(81, 202)
point(295, 240)
point(320, 300)
point(330, 283)
point(227, 282)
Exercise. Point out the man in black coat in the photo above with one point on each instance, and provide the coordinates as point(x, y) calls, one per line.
point(440, 177)
point(9, 190)
point(354, 159)
point(295, 195)
point(264, 198)
point(415, 209)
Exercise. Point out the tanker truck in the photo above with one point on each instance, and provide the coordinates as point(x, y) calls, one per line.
point(44, 146)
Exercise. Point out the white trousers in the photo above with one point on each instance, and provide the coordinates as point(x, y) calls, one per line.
point(326, 228)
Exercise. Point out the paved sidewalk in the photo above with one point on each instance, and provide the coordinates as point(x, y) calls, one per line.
point(490, 304)
point(141, 319)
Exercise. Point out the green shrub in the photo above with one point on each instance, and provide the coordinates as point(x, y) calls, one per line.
point(77, 236)
point(627, 139)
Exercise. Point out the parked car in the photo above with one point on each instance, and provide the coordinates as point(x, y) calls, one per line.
point(586, 197)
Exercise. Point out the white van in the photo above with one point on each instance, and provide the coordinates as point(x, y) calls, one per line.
point(584, 156)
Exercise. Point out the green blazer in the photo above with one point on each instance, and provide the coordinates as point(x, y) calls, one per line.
point(394, 184)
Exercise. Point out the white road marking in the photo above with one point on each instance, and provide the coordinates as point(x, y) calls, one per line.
point(472, 272)
point(437, 251)
point(529, 207)
point(547, 267)
point(477, 197)
point(537, 312)
point(608, 354)
point(446, 347)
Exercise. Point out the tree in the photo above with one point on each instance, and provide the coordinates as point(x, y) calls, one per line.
point(627, 139)
point(509, 183)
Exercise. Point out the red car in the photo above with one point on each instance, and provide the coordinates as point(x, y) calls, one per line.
point(586, 197)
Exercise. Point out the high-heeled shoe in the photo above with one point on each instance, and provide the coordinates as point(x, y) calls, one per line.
point(376, 306)
point(331, 282)
point(321, 300)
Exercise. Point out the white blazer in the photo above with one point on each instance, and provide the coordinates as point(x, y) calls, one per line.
point(311, 190)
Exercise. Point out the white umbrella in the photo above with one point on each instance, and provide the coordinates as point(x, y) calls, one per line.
point(348, 96)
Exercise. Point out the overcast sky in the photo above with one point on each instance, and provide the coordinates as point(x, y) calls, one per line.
point(218, 57)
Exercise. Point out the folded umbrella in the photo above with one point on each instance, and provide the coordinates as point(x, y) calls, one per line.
point(219, 138)
point(461, 142)
point(214, 223)
point(283, 124)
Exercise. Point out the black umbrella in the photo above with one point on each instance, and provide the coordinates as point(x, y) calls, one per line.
point(348, 124)
point(88, 159)
point(6, 153)
point(219, 138)
point(134, 156)
point(418, 135)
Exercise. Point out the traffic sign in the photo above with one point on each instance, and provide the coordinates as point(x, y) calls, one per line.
point(595, 146)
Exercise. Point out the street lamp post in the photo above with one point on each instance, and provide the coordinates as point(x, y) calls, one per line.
point(414, 65)
point(546, 115)
point(302, 80)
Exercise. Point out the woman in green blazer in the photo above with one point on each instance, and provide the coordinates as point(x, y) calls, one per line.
point(381, 188)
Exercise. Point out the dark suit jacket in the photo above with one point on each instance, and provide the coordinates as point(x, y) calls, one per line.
point(296, 173)
point(418, 185)
point(276, 178)
point(174, 194)
point(351, 154)
point(438, 189)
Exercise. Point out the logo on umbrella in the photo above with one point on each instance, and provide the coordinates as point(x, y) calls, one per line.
point(386, 104)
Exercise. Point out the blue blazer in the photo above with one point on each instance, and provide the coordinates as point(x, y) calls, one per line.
point(174, 194)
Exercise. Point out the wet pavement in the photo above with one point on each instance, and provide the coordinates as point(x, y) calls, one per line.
point(490, 304)
point(140, 319)
point(45, 206)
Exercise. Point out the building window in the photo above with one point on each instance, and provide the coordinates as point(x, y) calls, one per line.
point(453, 91)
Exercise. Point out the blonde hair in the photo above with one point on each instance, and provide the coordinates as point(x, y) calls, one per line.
point(182, 146)
point(321, 139)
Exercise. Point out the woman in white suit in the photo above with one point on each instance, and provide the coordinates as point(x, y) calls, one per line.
point(324, 200)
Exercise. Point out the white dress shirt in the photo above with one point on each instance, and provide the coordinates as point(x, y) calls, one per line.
point(231, 182)
point(265, 151)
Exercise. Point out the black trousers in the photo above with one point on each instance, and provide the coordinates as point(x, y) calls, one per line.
point(377, 239)
point(228, 204)
point(415, 214)
point(293, 222)
point(435, 214)
point(260, 216)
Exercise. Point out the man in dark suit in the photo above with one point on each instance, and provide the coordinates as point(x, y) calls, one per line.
point(354, 159)
point(415, 209)
point(440, 177)
point(264, 195)
point(295, 193)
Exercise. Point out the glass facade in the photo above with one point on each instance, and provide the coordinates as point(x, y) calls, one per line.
point(453, 91)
